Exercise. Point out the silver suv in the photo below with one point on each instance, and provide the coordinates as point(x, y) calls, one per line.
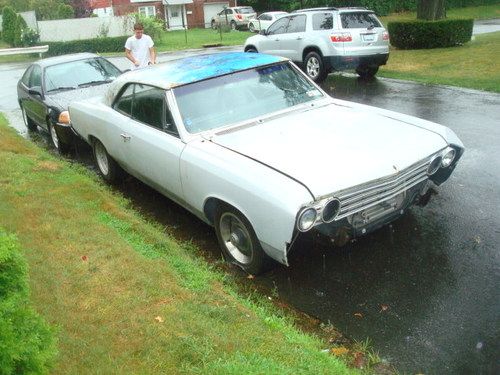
point(325, 39)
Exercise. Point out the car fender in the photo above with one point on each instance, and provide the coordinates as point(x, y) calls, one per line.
point(269, 199)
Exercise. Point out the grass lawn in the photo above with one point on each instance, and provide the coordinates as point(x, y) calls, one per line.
point(473, 65)
point(123, 295)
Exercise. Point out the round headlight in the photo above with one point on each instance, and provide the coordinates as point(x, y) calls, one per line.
point(448, 158)
point(331, 210)
point(434, 165)
point(307, 218)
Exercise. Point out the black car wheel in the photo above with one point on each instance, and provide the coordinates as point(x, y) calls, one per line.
point(108, 168)
point(251, 50)
point(59, 145)
point(367, 72)
point(233, 25)
point(251, 27)
point(30, 124)
point(314, 67)
point(238, 241)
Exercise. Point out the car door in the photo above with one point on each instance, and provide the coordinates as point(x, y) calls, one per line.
point(33, 103)
point(271, 42)
point(150, 146)
point(292, 41)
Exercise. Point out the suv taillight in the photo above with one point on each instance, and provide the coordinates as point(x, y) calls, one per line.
point(385, 35)
point(341, 37)
point(239, 16)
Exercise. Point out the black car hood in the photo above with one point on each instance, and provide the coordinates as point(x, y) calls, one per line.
point(62, 99)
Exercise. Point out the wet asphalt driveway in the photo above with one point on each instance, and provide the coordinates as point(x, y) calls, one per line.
point(424, 290)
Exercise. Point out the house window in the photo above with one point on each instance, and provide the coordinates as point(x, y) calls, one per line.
point(148, 11)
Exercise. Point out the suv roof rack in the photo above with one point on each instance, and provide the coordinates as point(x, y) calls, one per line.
point(353, 8)
point(314, 9)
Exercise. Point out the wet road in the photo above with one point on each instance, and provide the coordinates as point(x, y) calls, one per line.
point(424, 290)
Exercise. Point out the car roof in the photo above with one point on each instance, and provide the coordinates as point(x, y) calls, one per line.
point(49, 61)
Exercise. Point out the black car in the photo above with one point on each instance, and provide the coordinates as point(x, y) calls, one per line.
point(49, 85)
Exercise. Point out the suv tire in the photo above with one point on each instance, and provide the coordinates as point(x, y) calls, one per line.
point(367, 72)
point(314, 67)
point(233, 25)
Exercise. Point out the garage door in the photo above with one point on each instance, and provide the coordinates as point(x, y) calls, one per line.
point(211, 9)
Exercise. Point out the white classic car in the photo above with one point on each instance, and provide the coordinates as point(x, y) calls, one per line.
point(253, 147)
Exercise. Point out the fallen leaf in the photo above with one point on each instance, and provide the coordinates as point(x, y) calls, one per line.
point(159, 319)
point(359, 360)
point(250, 277)
point(339, 351)
point(384, 308)
point(84, 258)
point(358, 315)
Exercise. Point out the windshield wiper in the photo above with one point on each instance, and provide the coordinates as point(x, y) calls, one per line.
point(60, 88)
point(92, 83)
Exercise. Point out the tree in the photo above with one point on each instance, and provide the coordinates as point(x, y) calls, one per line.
point(9, 20)
point(65, 11)
point(431, 10)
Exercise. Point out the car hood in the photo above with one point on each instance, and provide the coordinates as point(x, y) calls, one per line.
point(335, 147)
point(62, 99)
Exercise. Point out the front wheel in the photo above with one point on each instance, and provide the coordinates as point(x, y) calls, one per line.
point(314, 67)
point(238, 241)
point(367, 72)
point(107, 167)
point(59, 145)
point(251, 28)
point(233, 25)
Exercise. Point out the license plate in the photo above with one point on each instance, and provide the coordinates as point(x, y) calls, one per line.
point(368, 37)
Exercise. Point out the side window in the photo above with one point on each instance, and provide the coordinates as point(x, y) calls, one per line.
point(26, 76)
point(148, 104)
point(278, 27)
point(36, 77)
point(297, 24)
point(322, 21)
point(265, 17)
point(124, 102)
point(169, 126)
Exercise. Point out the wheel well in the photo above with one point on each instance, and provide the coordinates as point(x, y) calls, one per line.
point(250, 47)
point(311, 49)
point(209, 209)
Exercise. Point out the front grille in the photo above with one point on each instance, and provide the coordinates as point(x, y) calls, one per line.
point(362, 197)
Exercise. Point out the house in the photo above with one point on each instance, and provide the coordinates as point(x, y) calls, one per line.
point(177, 14)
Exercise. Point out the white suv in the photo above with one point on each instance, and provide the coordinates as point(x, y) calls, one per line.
point(325, 39)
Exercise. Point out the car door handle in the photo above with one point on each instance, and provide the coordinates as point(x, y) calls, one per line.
point(276, 40)
point(299, 38)
point(125, 137)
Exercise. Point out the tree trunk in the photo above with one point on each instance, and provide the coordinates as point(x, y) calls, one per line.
point(431, 10)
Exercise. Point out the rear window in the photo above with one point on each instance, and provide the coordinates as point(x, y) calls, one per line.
point(322, 21)
point(246, 10)
point(359, 20)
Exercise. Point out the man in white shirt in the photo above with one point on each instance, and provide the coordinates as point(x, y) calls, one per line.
point(139, 48)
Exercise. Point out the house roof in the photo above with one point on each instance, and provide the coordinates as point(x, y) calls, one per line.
point(192, 69)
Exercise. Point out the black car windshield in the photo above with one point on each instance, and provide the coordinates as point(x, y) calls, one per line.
point(240, 96)
point(79, 73)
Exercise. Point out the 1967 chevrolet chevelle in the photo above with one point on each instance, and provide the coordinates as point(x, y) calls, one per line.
point(253, 147)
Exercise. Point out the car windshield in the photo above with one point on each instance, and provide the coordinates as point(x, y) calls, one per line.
point(246, 10)
point(240, 96)
point(79, 73)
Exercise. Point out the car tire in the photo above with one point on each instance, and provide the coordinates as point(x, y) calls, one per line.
point(214, 26)
point(233, 25)
point(59, 145)
point(238, 241)
point(367, 72)
point(107, 167)
point(251, 27)
point(314, 67)
point(251, 50)
point(30, 124)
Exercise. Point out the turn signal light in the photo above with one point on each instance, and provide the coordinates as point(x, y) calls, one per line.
point(64, 118)
point(341, 37)
point(385, 35)
point(239, 16)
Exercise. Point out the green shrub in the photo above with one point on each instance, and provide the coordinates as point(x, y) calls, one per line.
point(65, 11)
point(430, 34)
point(29, 37)
point(152, 25)
point(27, 344)
point(9, 21)
point(97, 45)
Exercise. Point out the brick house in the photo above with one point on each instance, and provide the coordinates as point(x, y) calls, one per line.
point(177, 14)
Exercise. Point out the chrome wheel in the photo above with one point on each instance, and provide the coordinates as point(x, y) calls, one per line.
point(53, 136)
point(313, 67)
point(251, 28)
point(101, 157)
point(236, 238)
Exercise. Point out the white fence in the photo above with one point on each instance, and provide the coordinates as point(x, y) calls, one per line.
point(84, 28)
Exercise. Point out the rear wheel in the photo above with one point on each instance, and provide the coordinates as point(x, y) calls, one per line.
point(30, 124)
point(367, 72)
point(314, 67)
point(238, 241)
point(107, 167)
point(233, 25)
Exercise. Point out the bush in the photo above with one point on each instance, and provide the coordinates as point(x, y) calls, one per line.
point(430, 34)
point(152, 26)
point(29, 37)
point(9, 21)
point(97, 45)
point(27, 344)
point(65, 11)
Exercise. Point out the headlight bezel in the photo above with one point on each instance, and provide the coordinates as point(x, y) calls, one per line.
point(453, 152)
point(303, 212)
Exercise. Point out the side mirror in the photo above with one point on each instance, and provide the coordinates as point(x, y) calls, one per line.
point(35, 90)
point(263, 32)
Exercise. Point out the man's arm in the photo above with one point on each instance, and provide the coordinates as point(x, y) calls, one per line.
point(152, 53)
point(131, 57)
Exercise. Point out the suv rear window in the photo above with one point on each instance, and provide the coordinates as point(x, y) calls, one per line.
point(246, 10)
point(359, 20)
point(322, 21)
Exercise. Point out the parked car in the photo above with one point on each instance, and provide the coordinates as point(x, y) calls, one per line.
point(263, 21)
point(49, 85)
point(249, 144)
point(322, 40)
point(236, 17)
